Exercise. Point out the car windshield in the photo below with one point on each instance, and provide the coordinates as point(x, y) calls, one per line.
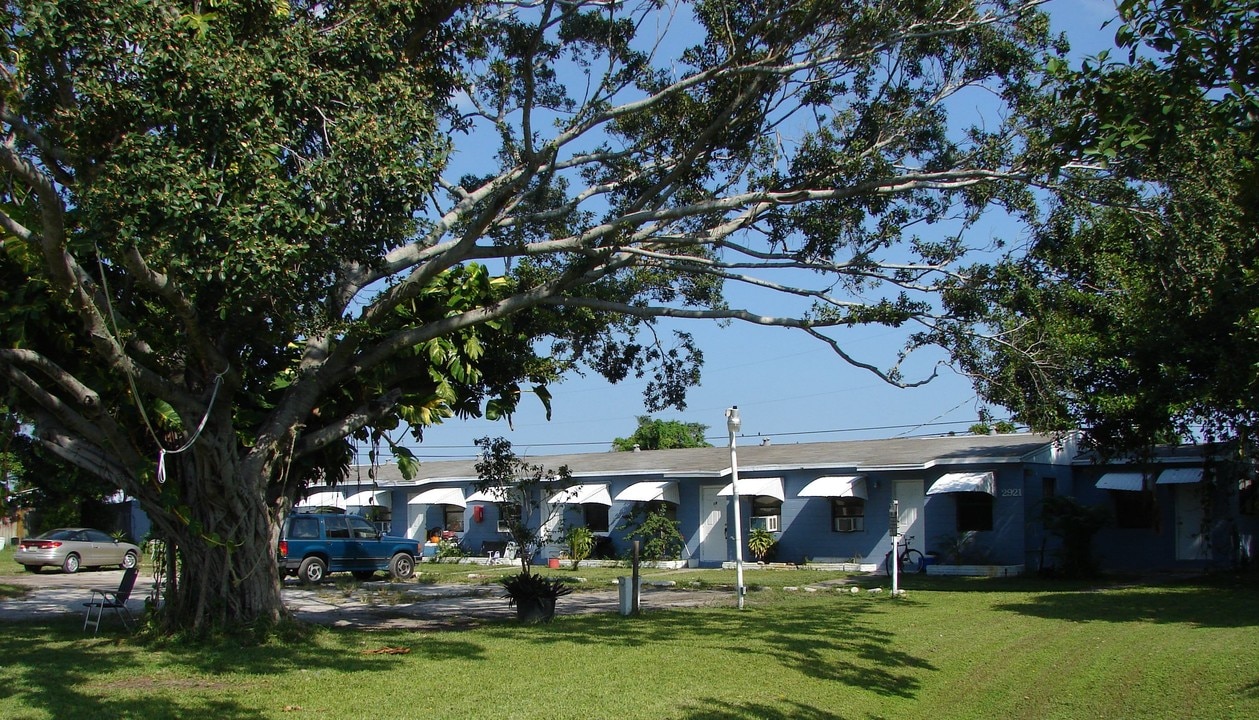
point(58, 534)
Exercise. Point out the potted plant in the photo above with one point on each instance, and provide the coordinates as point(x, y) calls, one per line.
point(533, 595)
point(761, 542)
point(524, 487)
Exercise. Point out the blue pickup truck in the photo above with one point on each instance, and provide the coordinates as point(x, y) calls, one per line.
point(315, 544)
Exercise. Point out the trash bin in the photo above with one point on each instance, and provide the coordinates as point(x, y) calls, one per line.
point(625, 588)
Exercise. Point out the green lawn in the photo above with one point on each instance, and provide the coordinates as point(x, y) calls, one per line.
point(603, 578)
point(956, 649)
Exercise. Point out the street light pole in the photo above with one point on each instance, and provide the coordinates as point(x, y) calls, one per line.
point(732, 424)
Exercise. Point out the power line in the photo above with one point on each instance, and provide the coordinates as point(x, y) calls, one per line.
point(422, 450)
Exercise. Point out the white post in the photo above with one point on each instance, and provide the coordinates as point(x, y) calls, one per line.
point(894, 526)
point(732, 424)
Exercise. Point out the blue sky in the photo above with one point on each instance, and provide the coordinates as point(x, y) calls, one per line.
point(789, 387)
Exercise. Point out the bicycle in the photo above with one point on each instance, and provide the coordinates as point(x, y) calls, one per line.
point(911, 560)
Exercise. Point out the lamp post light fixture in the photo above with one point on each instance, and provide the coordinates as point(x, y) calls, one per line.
point(733, 424)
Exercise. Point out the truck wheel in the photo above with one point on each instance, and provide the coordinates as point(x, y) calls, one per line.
point(311, 570)
point(402, 566)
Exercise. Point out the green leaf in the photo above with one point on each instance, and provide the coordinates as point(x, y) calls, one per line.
point(545, 396)
point(408, 466)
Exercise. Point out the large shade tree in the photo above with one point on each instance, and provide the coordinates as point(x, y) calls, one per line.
point(1136, 313)
point(256, 232)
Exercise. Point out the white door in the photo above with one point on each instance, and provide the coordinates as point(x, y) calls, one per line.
point(712, 525)
point(416, 517)
point(1190, 544)
point(910, 519)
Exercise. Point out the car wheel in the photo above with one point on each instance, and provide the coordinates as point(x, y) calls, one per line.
point(402, 566)
point(311, 570)
point(70, 564)
point(363, 574)
point(33, 568)
point(129, 561)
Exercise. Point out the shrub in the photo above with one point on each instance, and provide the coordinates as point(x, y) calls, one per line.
point(579, 542)
point(1075, 524)
point(660, 537)
point(449, 548)
point(761, 542)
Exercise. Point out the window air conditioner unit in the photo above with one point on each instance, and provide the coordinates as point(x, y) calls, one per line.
point(848, 524)
point(504, 527)
point(767, 522)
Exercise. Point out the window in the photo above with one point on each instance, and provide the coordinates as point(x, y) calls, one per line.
point(848, 514)
point(506, 513)
point(595, 517)
point(453, 518)
point(337, 527)
point(764, 506)
point(1133, 509)
point(1048, 487)
point(360, 528)
point(974, 511)
point(304, 528)
point(670, 510)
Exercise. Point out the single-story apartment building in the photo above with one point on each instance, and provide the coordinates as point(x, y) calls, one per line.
point(966, 498)
point(824, 502)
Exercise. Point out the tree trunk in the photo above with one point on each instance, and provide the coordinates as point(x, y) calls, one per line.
point(222, 530)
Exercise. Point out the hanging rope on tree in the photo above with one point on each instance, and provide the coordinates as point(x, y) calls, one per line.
point(135, 392)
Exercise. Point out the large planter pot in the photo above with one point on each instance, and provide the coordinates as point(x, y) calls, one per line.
point(535, 610)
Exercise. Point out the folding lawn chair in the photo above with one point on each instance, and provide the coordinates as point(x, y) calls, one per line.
point(104, 599)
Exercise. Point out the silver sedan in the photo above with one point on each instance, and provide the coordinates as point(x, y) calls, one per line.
point(72, 548)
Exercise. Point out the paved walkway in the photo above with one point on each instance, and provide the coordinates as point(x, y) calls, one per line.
point(379, 605)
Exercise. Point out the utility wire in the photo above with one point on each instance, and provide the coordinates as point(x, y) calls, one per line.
point(422, 449)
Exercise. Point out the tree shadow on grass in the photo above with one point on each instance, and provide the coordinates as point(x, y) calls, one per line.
point(1199, 606)
point(60, 672)
point(716, 709)
point(825, 640)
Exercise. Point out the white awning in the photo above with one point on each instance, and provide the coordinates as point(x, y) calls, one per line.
point(581, 494)
point(1177, 476)
point(964, 482)
point(836, 486)
point(327, 498)
point(440, 496)
point(491, 495)
point(649, 491)
point(367, 498)
point(1132, 481)
point(773, 487)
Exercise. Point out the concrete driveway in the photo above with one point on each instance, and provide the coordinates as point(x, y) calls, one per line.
point(377, 605)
